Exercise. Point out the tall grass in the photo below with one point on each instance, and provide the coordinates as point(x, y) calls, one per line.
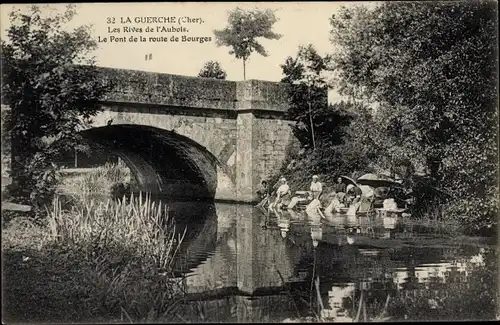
point(98, 184)
point(125, 251)
point(111, 260)
point(138, 226)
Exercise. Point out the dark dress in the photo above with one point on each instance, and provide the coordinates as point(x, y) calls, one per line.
point(340, 188)
point(263, 192)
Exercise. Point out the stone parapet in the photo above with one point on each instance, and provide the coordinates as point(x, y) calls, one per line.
point(141, 87)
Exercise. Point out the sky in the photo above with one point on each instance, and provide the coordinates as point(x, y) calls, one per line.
point(299, 24)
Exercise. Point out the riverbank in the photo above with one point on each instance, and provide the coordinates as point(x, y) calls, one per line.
point(91, 266)
point(47, 281)
point(430, 203)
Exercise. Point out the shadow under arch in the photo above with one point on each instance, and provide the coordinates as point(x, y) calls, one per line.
point(200, 220)
point(163, 162)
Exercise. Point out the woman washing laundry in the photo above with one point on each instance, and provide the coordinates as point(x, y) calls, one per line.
point(336, 204)
point(282, 195)
point(338, 200)
point(353, 194)
point(315, 190)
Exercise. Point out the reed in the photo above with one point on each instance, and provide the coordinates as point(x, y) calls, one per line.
point(138, 226)
point(100, 261)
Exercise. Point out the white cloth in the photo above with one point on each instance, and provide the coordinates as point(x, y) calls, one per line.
point(312, 210)
point(314, 204)
point(367, 191)
point(335, 205)
point(390, 204)
point(294, 201)
point(353, 209)
point(283, 189)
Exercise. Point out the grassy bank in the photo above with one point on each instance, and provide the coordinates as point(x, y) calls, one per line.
point(94, 262)
point(99, 183)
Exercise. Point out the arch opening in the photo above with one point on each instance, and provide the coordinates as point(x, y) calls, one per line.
point(164, 163)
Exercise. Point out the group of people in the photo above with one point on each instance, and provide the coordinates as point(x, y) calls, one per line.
point(280, 196)
point(348, 196)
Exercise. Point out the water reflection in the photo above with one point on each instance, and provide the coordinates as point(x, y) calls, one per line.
point(245, 266)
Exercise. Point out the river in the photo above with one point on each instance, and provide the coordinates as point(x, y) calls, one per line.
point(238, 264)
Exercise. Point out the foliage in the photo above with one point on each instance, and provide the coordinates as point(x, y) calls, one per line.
point(340, 149)
point(338, 152)
point(52, 89)
point(139, 226)
point(308, 96)
point(212, 69)
point(99, 183)
point(102, 262)
point(6, 145)
point(432, 69)
point(243, 30)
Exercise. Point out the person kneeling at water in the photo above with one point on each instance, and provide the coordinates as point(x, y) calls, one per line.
point(336, 204)
point(353, 195)
point(282, 195)
point(314, 193)
point(264, 193)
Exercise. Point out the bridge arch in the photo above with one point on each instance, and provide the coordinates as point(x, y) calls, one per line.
point(164, 162)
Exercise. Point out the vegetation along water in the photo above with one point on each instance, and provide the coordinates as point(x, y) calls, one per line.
point(420, 107)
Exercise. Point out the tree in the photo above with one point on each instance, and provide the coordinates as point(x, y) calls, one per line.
point(212, 69)
point(324, 130)
point(244, 27)
point(307, 93)
point(432, 67)
point(52, 89)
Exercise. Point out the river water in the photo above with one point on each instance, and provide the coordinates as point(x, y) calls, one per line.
point(239, 264)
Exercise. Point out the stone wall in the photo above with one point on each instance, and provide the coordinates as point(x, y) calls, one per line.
point(271, 140)
point(141, 87)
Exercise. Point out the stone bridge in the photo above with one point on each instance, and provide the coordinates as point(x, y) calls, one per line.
point(194, 137)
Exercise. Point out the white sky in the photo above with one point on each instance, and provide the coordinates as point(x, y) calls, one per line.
point(299, 24)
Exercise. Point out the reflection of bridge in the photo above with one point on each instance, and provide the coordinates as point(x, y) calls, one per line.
point(242, 260)
point(243, 270)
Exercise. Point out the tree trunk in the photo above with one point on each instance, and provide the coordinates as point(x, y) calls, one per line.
point(244, 69)
point(20, 182)
point(311, 120)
